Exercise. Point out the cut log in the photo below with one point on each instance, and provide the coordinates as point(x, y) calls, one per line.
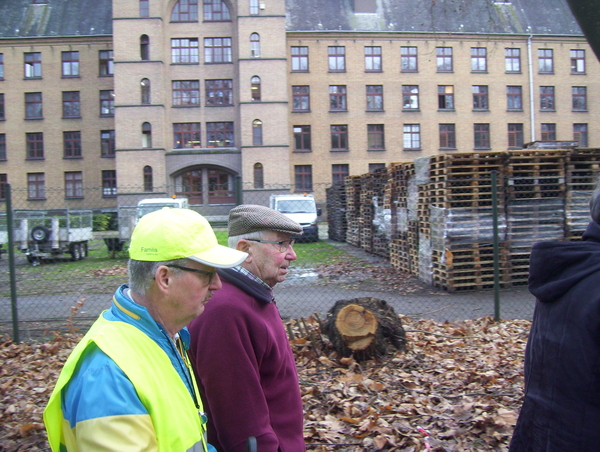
point(364, 328)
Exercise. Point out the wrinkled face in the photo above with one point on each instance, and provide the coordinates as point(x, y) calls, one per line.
point(266, 260)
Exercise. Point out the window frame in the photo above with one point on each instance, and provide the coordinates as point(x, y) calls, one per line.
point(302, 138)
point(407, 58)
point(215, 11)
point(447, 136)
point(409, 132)
point(410, 92)
point(374, 97)
point(3, 155)
point(303, 178)
point(373, 60)
point(73, 184)
point(72, 145)
point(189, 12)
point(579, 134)
point(109, 183)
point(481, 136)
point(444, 59)
point(514, 95)
point(338, 100)
point(32, 65)
point(217, 50)
point(336, 58)
point(218, 92)
point(545, 61)
point(107, 103)
point(481, 101)
point(479, 59)
point(577, 61)
point(254, 45)
point(339, 137)
point(445, 98)
point(548, 132)
point(579, 98)
point(106, 63)
point(187, 132)
point(512, 60)
point(547, 98)
point(516, 136)
point(34, 106)
point(224, 128)
point(107, 143)
point(183, 51)
point(36, 186)
point(300, 97)
point(185, 89)
point(70, 62)
point(339, 172)
point(71, 104)
point(375, 137)
point(299, 58)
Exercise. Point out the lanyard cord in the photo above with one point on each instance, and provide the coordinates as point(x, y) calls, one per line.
point(178, 344)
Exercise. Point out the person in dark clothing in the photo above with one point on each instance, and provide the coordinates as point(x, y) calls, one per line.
point(561, 407)
point(240, 352)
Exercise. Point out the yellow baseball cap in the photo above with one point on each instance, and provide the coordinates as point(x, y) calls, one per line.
point(169, 234)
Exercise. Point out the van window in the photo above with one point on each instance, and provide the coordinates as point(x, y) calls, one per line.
point(296, 206)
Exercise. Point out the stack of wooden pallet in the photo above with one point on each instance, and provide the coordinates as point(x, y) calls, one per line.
point(581, 173)
point(353, 189)
point(336, 212)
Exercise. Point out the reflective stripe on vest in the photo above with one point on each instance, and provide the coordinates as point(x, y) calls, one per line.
point(151, 371)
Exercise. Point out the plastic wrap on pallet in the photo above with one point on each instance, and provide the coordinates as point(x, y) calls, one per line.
point(412, 195)
point(454, 228)
point(532, 220)
point(402, 219)
point(382, 220)
point(425, 260)
point(422, 170)
point(577, 210)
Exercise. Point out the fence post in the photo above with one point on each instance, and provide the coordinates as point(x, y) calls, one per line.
point(11, 264)
point(238, 191)
point(496, 246)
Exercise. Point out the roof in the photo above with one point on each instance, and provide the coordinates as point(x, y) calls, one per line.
point(23, 19)
point(537, 17)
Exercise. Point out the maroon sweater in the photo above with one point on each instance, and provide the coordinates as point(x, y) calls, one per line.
point(246, 370)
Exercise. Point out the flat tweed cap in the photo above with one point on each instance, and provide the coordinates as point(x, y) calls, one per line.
point(248, 218)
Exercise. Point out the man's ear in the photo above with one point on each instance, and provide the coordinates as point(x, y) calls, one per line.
point(163, 278)
point(244, 246)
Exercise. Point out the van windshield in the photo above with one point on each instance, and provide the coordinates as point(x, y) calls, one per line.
point(296, 206)
point(147, 208)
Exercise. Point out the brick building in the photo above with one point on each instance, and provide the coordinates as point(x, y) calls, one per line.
point(279, 93)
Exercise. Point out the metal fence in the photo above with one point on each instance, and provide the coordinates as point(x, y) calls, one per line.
point(72, 278)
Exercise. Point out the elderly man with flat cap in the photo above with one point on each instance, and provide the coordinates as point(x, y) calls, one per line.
point(239, 348)
point(128, 384)
point(561, 406)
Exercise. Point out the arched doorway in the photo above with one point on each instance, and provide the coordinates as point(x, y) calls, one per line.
point(206, 185)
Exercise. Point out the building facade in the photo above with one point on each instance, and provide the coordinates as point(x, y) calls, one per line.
point(216, 100)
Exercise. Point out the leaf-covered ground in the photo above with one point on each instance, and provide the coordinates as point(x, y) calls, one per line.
point(457, 387)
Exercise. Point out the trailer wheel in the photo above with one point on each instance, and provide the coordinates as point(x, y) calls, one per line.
point(75, 252)
point(40, 234)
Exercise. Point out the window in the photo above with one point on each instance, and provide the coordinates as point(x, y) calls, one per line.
point(72, 145)
point(259, 177)
point(373, 58)
point(515, 136)
point(144, 48)
point(33, 105)
point(185, 11)
point(257, 138)
point(445, 97)
point(339, 138)
point(408, 58)
point(145, 91)
point(255, 45)
point(2, 113)
point(217, 50)
point(219, 134)
point(73, 184)
point(375, 166)
point(337, 58)
point(254, 11)
point(512, 60)
point(577, 61)
point(410, 97)
point(300, 98)
point(447, 136)
point(481, 134)
point(146, 135)
point(547, 98)
point(70, 64)
point(218, 92)
point(444, 59)
point(186, 135)
point(412, 137)
point(375, 97)
point(548, 132)
point(220, 187)
point(144, 8)
point(480, 97)
point(302, 138)
point(375, 137)
point(33, 64)
point(579, 94)
point(545, 61)
point(106, 62)
point(107, 143)
point(299, 59)
point(191, 185)
point(255, 88)
point(337, 97)
point(339, 172)
point(148, 179)
point(3, 183)
point(185, 93)
point(514, 98)
point(184, 51)
point(1, 66)
point(2, 146)
point(36, 186)
point(109, 183)
point(580, 134)
point(478, 59)
point(71, 105)
point(303, 177)
point(216, 10)
point(107, 103)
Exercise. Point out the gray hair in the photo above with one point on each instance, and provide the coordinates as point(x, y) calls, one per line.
point(141, 273)
point(259, 235)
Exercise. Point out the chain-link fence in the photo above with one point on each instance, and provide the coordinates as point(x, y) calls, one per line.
point(419, 235)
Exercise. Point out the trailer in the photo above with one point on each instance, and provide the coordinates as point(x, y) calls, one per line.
point(52, 233)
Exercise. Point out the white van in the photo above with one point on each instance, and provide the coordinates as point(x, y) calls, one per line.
point(303, 210)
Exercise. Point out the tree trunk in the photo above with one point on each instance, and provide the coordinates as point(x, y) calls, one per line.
point(364, 328)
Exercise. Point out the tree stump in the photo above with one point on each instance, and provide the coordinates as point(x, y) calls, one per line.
point(364, 328)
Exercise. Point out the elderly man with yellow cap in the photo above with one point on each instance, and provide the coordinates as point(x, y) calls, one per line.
point(239, 347)
point(128, 385)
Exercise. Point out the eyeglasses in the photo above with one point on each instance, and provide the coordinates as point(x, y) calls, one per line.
point(194, 270)
point(283, 244)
